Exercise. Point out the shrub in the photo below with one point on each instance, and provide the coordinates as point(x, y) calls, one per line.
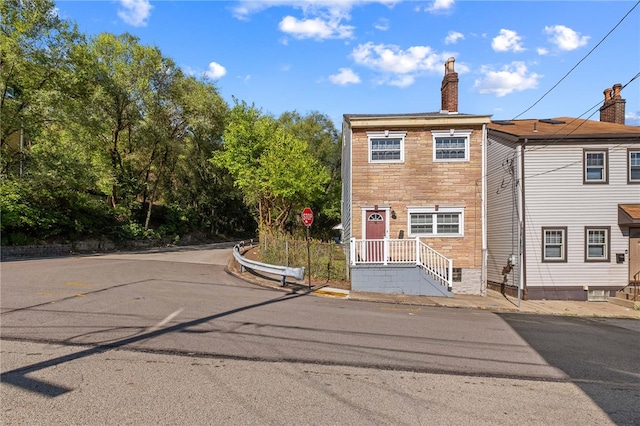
point(328, 260)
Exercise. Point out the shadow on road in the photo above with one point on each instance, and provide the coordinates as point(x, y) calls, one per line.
point(18, 377)
point(597, 355)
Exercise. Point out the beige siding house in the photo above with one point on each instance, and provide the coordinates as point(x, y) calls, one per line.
point(563, 200)
point(414, 199)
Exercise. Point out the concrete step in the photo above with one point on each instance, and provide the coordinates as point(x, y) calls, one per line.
point(626, 296)
point(631, 291)
point(624, 302)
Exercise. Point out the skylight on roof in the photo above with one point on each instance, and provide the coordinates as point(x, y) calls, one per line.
point(503, 122)
point(551, 121)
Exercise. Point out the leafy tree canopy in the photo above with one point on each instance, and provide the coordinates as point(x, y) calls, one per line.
point(272, 167)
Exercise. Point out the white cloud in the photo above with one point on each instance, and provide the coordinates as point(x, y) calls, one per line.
point(565, 38)
point(317, 28)
point(215, 71)
point(440, 5)
point(508, 40)
point(453, 37)
point(135, 12)
point(344, 77)
point(245, 8)
point(402, 81)
point(322, 19)
point(400, 67)
point(390, 58)
point(632, 118)
point(382, 24)
point(513, 77)
point(542, 51)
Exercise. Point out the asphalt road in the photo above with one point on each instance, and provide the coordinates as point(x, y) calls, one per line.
point(170, 338)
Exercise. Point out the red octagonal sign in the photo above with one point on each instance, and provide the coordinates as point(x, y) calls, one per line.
point(307, 216)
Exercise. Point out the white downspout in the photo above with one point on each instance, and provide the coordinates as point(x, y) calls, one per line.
point(483, 284)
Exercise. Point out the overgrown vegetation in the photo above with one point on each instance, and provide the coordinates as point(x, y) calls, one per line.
point(106, 137)
point(328, 260)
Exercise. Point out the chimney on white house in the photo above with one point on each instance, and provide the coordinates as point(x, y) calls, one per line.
point(449, 88)
point(612, 110)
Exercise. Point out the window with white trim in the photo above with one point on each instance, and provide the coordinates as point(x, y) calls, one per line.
point(554, 244)
point(386, 147)
point(634, 166)
point(596, 244)
point(444, 222)
point(596, 166)
point(452, 145)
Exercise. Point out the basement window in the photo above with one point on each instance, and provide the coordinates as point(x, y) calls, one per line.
point(456, 275)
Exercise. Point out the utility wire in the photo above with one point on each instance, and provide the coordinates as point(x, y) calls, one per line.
point(580, 125)
point(564, 136)
point(581, 60)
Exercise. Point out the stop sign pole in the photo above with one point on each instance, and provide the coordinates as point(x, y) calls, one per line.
point(307, 219)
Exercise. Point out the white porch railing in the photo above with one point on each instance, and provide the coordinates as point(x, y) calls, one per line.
point(387, 251)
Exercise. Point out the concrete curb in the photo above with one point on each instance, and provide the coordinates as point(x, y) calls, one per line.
point(493, 301)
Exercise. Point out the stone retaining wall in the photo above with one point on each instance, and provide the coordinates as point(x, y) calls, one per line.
point(53, 250)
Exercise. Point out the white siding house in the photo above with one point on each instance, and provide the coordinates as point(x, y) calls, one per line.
point(563, 199)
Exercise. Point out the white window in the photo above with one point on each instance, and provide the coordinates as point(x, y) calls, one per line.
point(452, 145)
point(595, 166)
point(634, 166)
point(596, 244)
point(443, 222)
point(554, 248)
point(386, 147)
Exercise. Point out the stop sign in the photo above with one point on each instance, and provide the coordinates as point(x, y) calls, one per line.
point(307, 216)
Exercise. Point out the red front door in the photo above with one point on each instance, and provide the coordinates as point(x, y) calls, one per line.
point(375, 232)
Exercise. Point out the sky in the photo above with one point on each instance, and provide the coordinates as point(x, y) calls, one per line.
point(515, 59)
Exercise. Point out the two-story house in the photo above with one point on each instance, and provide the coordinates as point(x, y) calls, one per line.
point(563, 206)
point(414, 200)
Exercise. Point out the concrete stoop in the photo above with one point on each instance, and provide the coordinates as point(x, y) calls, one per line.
point(626, 297)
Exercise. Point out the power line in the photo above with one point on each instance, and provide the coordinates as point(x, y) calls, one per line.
point(564, 136)
point(581, 60)
point(580, 125)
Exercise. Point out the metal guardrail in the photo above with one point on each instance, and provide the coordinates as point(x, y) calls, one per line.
point(283, 271)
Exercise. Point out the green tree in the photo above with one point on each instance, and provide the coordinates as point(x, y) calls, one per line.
point(47, 178)
point(197, 186)
point(324, 143)
point(270, 165)
point(123, 73)
point(36, 74)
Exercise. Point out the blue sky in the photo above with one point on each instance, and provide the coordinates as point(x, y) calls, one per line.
point(359, 56)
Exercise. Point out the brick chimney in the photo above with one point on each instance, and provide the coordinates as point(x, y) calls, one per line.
point(449, 88)
point(612, 111)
